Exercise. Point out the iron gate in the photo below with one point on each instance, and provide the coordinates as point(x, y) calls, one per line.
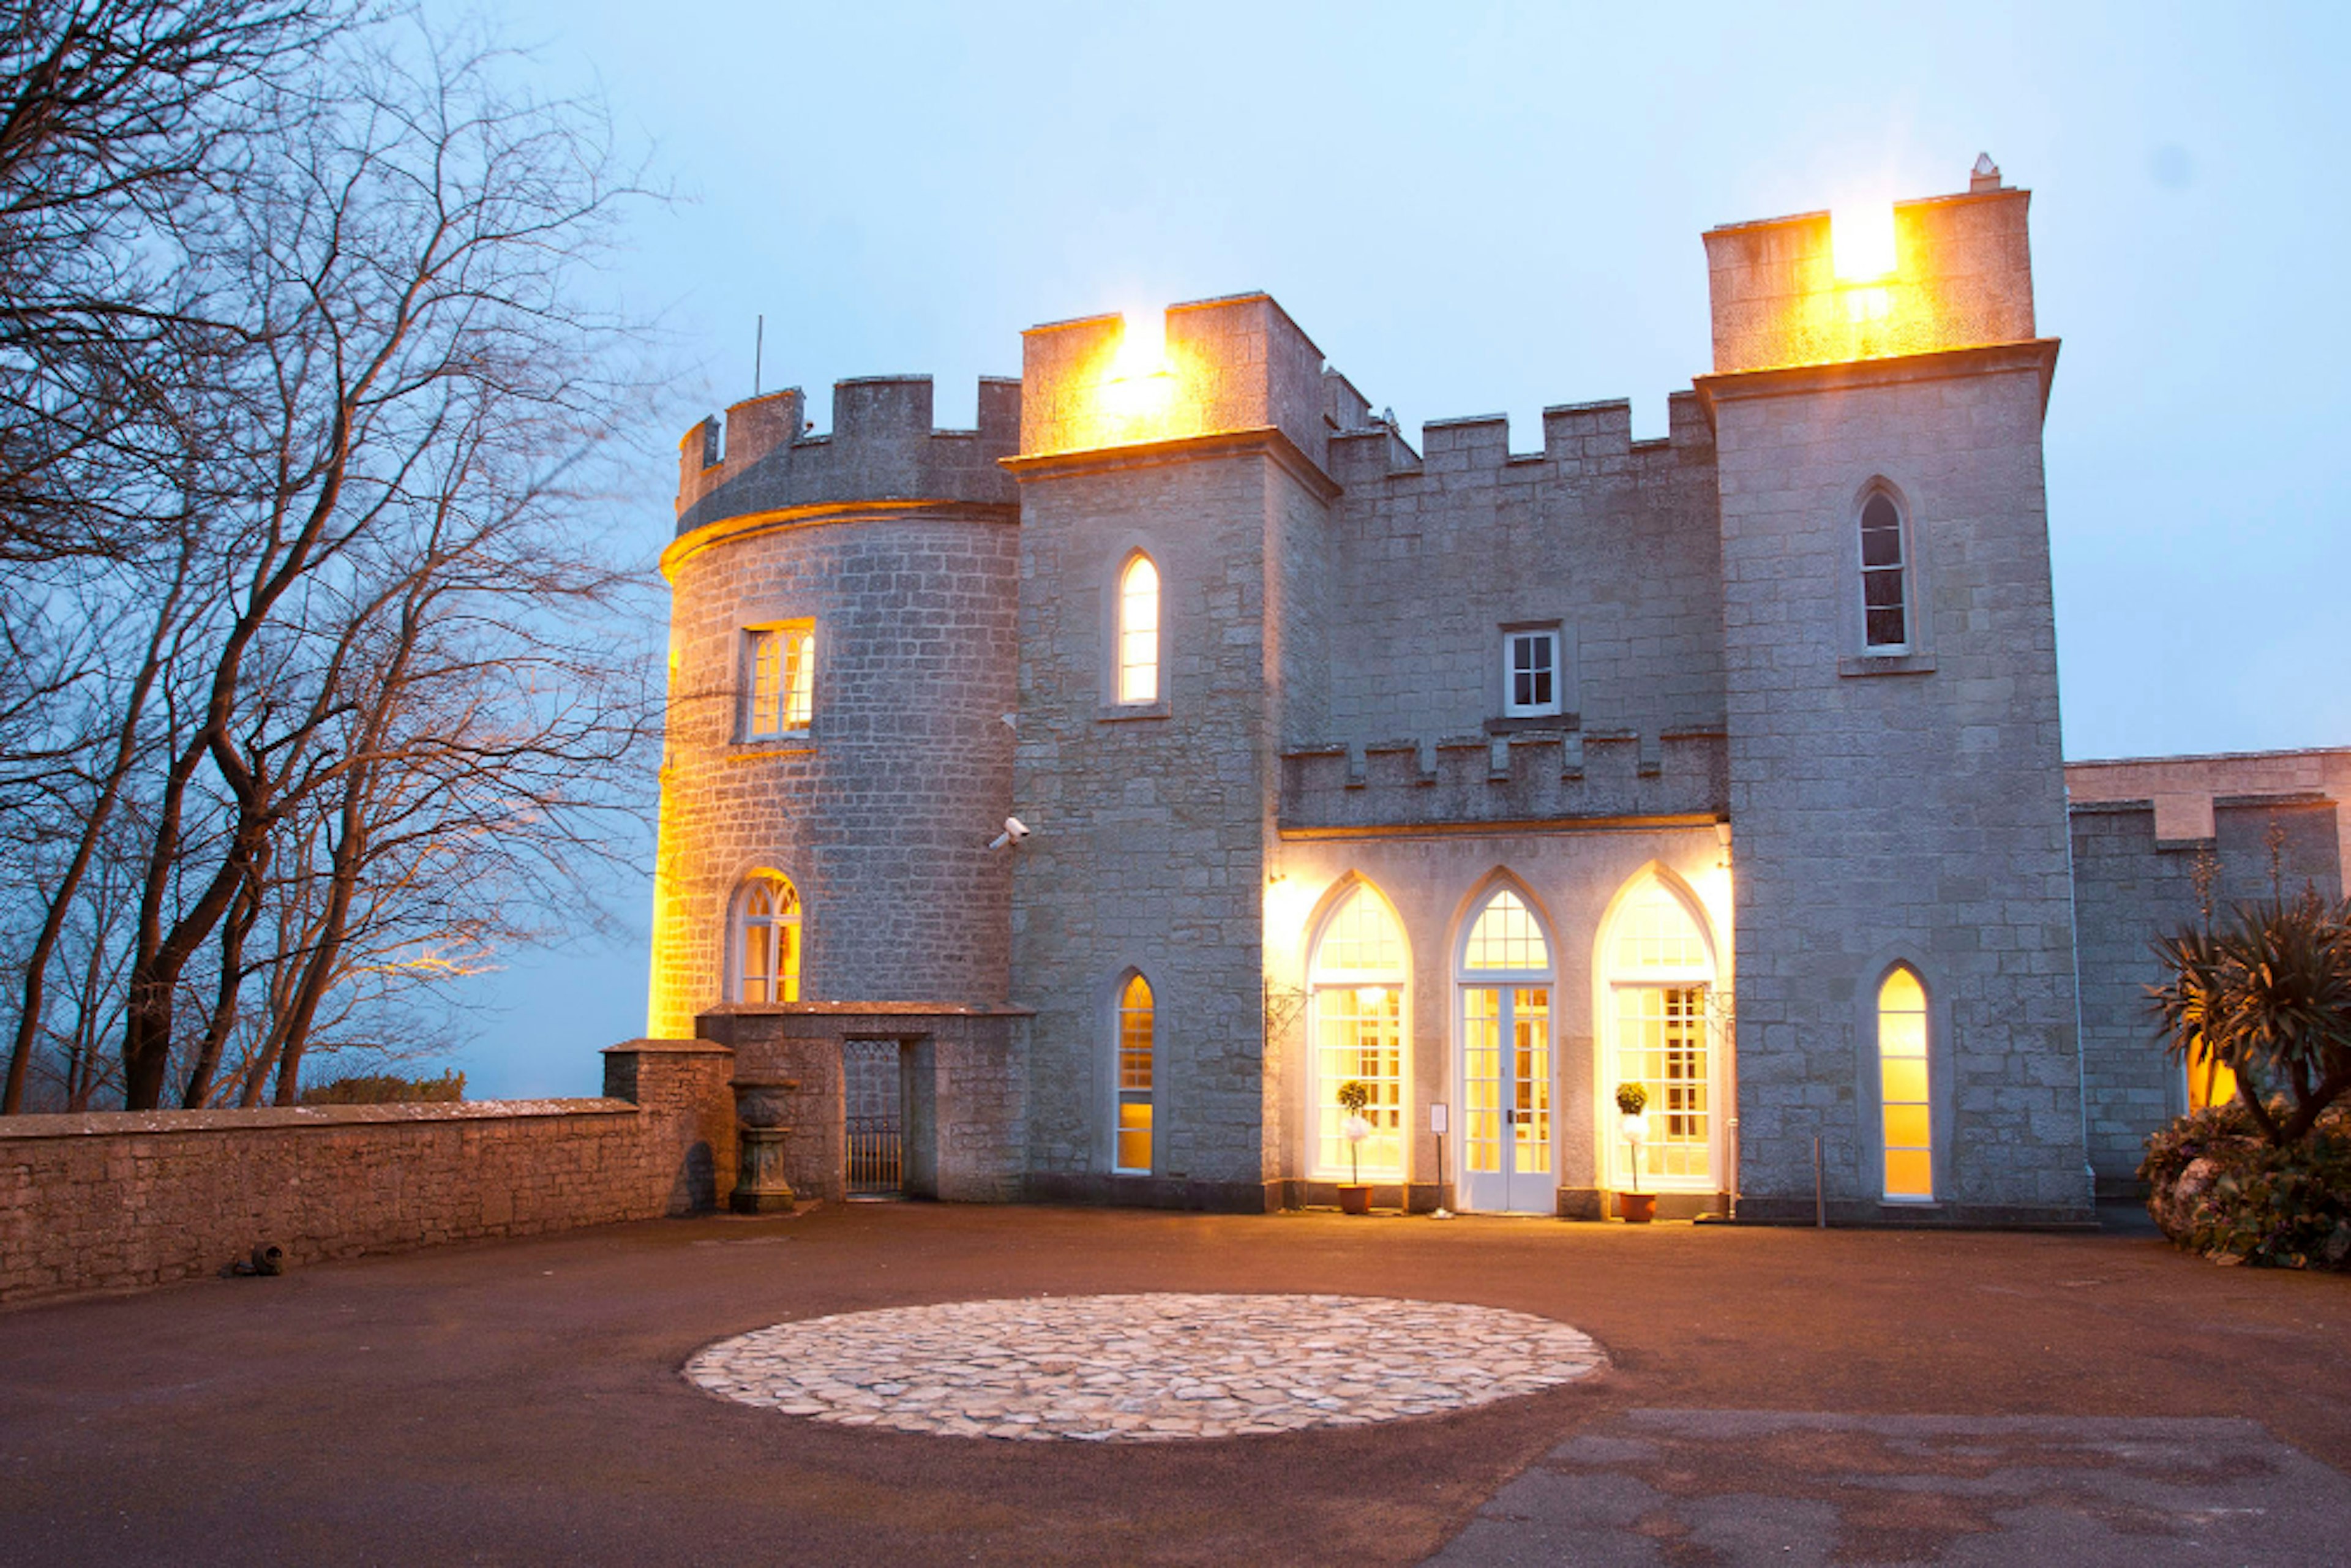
point(870, 1095)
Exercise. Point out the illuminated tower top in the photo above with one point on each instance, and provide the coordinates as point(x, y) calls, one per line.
point(1214, 367)
point(1947, 272)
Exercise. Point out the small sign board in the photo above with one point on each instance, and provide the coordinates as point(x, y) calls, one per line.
point(1436, 1117)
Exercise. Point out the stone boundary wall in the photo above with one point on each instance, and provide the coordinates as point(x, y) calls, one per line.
point(112, 1201)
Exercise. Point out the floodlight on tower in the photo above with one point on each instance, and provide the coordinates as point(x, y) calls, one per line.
point(1861, 241)
point(1140, 379)
point(1142, 345)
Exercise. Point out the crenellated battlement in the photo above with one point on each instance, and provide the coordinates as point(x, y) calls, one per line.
point(1212, 367)
point(1490, 781)
point(1959, 275)
point(881, 447)
point(1579, 439)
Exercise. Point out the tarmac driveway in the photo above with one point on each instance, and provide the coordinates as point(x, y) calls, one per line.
point(523, 1403)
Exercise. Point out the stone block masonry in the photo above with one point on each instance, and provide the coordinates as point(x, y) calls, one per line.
point(1587, 669)
point(2130, 886)
point(895, 546)
point(962, 1083)
point(118, 1201)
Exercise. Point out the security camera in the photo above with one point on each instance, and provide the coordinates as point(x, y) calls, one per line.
point(1015, 829)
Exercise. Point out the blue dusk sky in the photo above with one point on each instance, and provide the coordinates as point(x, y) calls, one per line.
point(1476, 209)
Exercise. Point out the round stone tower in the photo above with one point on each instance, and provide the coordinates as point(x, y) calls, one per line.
point(842, 670)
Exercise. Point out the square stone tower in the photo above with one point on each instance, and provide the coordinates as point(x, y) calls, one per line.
point(1890, 660)
point(1191, 462)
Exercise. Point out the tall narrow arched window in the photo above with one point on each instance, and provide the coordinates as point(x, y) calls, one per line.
point(1135, 1010)
point(1885, 575)
point(1138, 632)
point(768, 934)
point(1505, 985)
point(1357, 977)
point(1906, 1101)
point(1660, 973)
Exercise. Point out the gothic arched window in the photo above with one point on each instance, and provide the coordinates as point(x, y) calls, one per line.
point(1659, 970)
point(1138, 632)
point(1904, 1094)
point(1137, 1016)
point(1885, 574)
point(767, 926)
point(1357, 978)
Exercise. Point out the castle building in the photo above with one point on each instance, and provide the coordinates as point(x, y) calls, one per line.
point(1092, 805)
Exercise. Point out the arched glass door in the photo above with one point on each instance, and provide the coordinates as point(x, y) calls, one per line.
point(1358, 977)
point(1661, 1036)
point(1507, 1160)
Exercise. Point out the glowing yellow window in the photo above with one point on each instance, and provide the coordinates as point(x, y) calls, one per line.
point(771, 940)
point(1134, 1018)
point(1506, 937)
point(1904, 1100)
point(1358, 978)
point(1138, 632)
point(783, 681)
point(2210, 1080)
point(1661, 1045)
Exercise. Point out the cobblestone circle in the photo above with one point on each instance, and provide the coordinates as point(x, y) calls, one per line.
point(1143, 1368)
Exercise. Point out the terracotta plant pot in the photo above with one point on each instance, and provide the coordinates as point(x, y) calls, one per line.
point(1354, 1199)
point(1637, 1207)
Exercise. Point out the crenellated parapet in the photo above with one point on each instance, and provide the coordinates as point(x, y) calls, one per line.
point(1580, 441)
point(881, 447)
point(1492, 782)
point(1959, 275)
point(1214, 367)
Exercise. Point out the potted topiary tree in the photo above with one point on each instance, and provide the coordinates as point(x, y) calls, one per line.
point(1354, 1198)
point(1635, 1208)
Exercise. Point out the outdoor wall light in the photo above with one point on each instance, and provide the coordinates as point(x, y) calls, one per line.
point(1861, 241)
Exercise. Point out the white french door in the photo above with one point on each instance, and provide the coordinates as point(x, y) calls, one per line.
point(1506, 1158)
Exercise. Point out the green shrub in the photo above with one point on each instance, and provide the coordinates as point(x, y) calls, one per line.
point(2217, 1185)
point(386, 1089)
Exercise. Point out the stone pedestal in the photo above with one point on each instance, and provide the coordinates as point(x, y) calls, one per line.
point(760, 1186)
point(761, 1189)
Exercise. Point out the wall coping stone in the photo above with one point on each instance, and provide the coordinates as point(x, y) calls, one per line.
point(150, 1123)
point(2036, 354)
point(933, 1009)
point(2253, 801)
point(1270, 440)
point(668, 1048)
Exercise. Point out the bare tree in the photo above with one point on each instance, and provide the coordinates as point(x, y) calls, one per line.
point(374, 713)
point(122, 124)
point(122, 121)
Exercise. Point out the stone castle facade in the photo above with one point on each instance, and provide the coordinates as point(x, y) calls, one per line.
point(1726, 765)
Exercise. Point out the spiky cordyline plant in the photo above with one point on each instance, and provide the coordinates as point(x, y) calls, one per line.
point(2269, 995)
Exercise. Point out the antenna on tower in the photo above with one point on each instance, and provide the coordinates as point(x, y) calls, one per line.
point(759, 351)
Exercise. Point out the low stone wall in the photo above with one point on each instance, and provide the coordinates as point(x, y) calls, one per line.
point(121, 1200)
